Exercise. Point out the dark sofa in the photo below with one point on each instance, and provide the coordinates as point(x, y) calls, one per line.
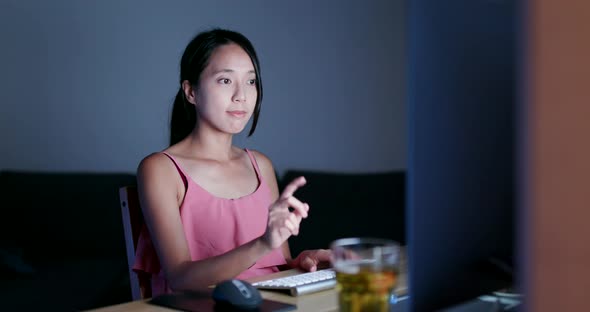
point(62, 246)
point(349, 205)
point(61, 241)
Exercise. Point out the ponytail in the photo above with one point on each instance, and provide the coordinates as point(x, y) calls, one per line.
point(183, 120)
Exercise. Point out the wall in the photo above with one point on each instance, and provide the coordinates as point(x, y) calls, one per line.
point(88, 85)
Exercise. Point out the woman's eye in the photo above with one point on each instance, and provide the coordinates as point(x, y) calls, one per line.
point(224, 81)
point(252, 81)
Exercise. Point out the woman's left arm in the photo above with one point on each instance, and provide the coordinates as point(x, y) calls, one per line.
point(268, 174)
point(307, 260)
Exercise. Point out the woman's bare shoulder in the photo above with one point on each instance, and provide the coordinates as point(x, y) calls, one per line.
point(266, 169)
point(153, 161)
point(264, 163)
point(156, 164)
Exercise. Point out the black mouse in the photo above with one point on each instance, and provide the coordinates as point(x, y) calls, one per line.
point(237, 294)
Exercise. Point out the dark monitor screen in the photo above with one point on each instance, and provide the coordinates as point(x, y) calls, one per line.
point(462, 113)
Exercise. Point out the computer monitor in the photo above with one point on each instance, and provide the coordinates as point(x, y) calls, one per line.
point(460, 177)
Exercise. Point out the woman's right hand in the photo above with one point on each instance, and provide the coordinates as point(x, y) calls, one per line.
point(283, 223)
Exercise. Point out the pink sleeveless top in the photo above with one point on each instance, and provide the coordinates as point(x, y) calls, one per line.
point(213, 226)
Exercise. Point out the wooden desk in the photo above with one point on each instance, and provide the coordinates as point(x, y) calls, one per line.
point(324, 301)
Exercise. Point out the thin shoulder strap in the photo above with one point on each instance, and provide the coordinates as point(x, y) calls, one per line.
point(254, 164)
point(180, 171)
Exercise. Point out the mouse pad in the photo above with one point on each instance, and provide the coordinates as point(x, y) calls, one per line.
point(202, 302)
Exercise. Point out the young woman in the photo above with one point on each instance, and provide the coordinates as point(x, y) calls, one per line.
point(212, 210)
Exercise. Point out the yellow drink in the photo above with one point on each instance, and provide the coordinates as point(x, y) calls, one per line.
point(367, 290)
point(366, 273)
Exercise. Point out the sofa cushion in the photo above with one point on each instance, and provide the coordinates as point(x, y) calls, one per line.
point(67, 286)
point(349, 205)
point(62, 215)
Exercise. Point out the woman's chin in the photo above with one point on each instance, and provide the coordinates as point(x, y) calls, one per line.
point(237, 129)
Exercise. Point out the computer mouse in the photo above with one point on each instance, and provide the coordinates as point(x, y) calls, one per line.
point(237, 294)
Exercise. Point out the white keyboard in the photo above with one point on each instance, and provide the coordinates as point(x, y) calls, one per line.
point(301, 284)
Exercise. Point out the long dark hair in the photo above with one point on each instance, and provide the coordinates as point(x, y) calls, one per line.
point(194, 60)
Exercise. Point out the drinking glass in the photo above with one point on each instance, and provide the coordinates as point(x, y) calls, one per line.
point(367, 271)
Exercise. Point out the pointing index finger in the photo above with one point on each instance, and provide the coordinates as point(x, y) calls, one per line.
point(292, 187)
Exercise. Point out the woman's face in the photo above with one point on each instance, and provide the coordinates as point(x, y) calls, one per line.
point(226, 94)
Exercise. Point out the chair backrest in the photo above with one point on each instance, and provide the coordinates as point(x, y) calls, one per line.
point(132, 224)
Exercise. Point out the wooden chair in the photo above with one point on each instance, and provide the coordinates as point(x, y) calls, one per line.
point(132, 224)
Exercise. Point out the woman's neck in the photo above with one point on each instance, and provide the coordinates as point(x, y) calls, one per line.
point(214, 146)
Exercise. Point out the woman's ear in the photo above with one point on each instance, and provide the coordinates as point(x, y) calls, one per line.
point(189, 92)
